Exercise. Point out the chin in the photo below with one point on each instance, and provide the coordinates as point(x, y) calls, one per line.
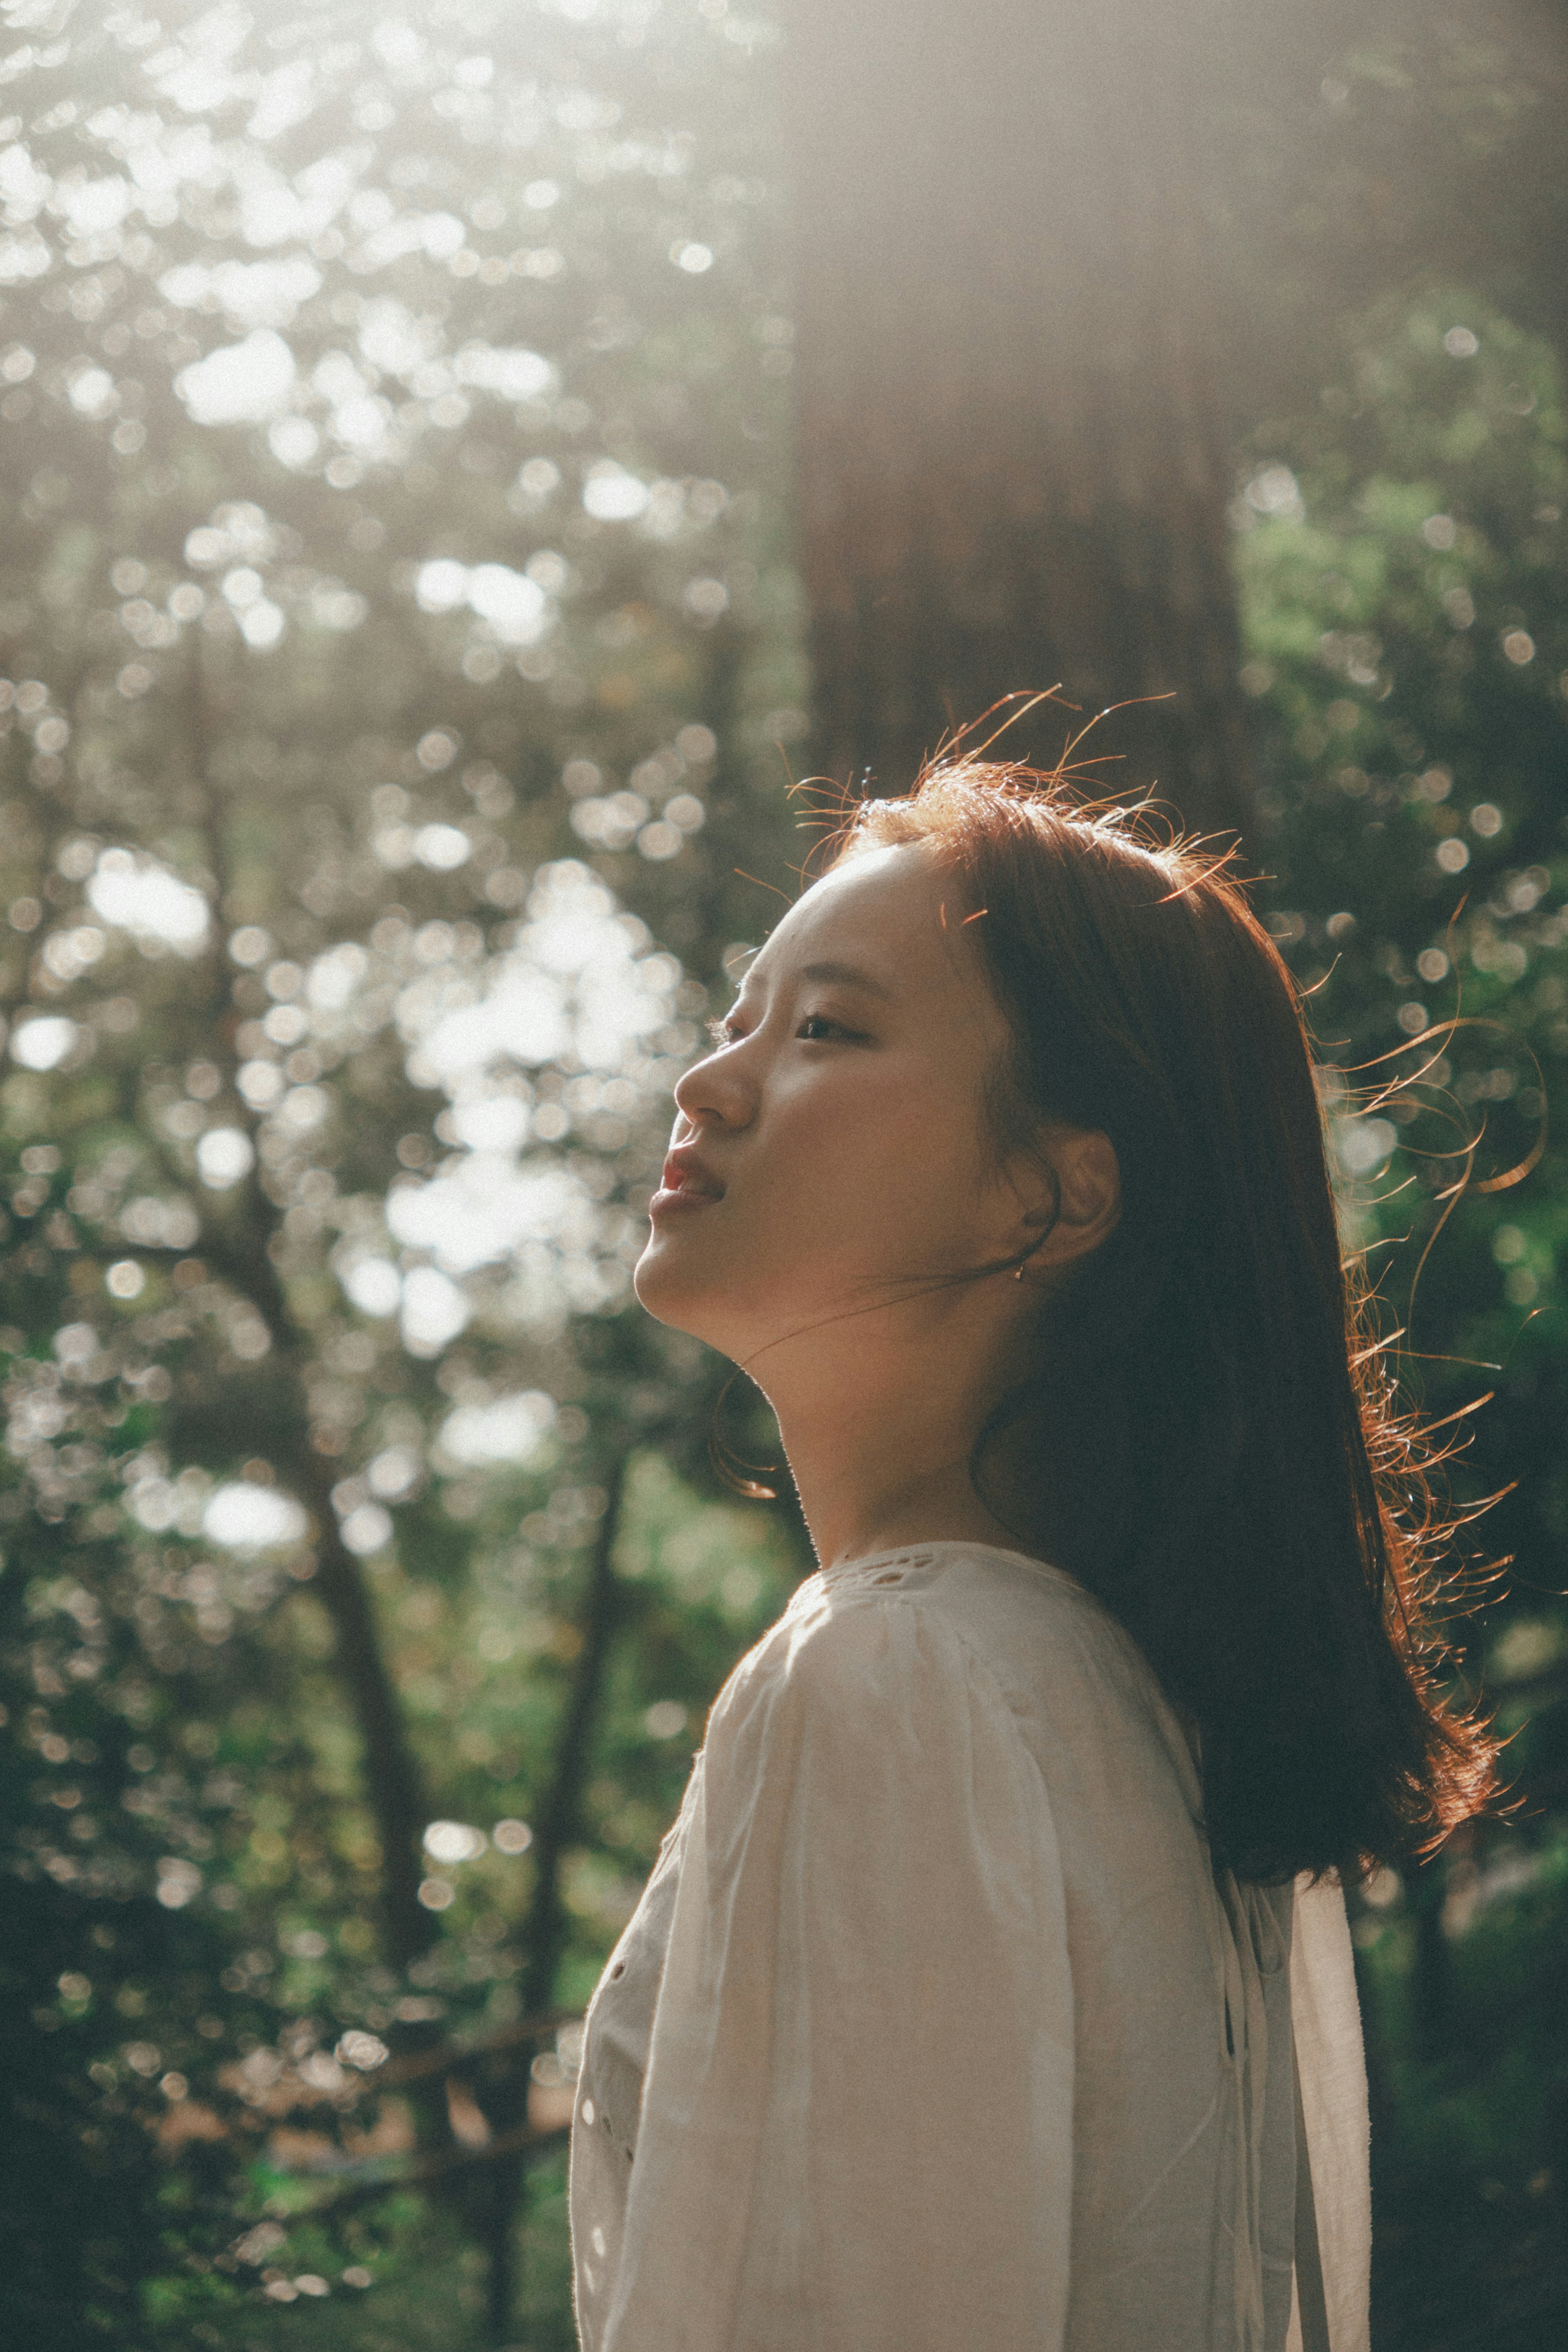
point(677, 1287)
point(667, 1291)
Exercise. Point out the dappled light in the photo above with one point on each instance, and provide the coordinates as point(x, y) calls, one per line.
point(504, 1428)
point(441, 519)
point(352, 596)
point(42, 1042)
point(148, 899)
point(252, 1519)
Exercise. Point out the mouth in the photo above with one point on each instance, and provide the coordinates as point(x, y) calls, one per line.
point(686, 1184)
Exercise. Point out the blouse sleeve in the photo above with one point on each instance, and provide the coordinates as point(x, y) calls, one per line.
point(856, 2132)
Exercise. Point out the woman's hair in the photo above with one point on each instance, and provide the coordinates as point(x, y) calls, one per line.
point(1209, 1439)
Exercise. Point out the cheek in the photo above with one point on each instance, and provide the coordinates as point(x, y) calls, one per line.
point(837, 1136)
point(871, 1172)
point(882, 1165)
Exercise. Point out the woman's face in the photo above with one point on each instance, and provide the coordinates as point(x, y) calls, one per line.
point(832, 1154)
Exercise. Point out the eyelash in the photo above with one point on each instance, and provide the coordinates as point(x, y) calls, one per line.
point(720, 1032)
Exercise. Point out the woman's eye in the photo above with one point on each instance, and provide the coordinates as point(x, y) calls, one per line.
point(815, 1029)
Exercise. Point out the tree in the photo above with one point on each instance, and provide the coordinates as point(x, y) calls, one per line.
point(1402, 562)
point(1051, 265)
point(1098, 309)
point(1358, 153)
point(363, 662)
point(1012, 444)
point(399, 637)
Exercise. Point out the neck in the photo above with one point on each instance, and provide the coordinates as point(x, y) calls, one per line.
point(879, 1441)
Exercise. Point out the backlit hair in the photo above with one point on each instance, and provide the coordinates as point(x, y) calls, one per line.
point(1209, 1439)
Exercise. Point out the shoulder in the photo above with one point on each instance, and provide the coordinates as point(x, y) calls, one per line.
point(943, 1630)
point(858, 1659)
point(836, 1639)
point(940, 1613)
point(864, 1722)
point(1002, 1609)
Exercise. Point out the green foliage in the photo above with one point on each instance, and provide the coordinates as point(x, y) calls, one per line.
point(375, 767)
point(397, 627)
point(1401, 557)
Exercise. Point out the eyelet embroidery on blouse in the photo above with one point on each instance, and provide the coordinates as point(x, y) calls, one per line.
point(873, 1571)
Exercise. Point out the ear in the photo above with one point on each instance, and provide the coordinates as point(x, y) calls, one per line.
point(1085, 1196)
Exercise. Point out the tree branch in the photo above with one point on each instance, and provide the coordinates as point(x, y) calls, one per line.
point(506, 2148)
point(559, 1820)
point(394, 1784)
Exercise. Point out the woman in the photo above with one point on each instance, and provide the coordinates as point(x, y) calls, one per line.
point(993, 1988)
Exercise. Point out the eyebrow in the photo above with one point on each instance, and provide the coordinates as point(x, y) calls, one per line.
point(844, 975)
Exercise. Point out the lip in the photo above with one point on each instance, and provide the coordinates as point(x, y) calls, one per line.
point(685, 1184)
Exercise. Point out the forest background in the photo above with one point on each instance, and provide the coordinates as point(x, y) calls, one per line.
point(456, 469)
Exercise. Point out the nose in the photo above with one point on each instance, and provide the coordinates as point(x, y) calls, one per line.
point(716, 1089)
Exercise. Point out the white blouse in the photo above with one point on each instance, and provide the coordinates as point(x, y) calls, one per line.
point(933, 2031)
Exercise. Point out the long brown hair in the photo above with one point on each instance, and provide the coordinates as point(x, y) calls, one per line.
point(1211, 1439)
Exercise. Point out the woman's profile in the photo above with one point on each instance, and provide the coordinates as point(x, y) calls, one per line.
point(993, 1988)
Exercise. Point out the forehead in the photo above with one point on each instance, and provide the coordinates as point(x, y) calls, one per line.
point(885, 909)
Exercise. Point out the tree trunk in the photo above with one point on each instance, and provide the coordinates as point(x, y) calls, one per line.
point(503, 2086)
point(393, 1780)
point(1012, 465)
